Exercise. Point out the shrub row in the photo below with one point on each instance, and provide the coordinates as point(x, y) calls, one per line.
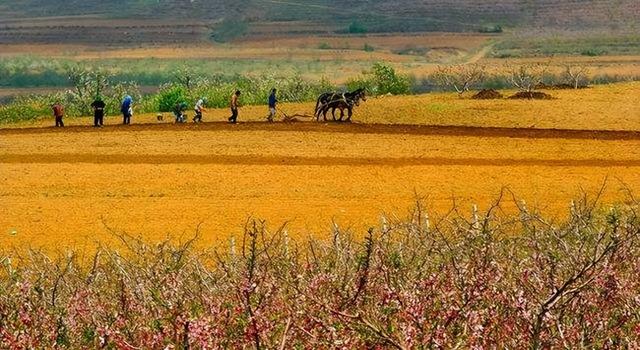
point(480, 281)
point(188, 87)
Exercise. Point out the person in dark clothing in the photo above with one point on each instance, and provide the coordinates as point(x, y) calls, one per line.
point(234, 107)
point(58, 112)
point(127, 110)
point(178, 112)
point(273, 100)
point(98, 112)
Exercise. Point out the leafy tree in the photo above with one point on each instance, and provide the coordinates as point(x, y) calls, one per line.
point(387, 81)
point(382, 79)
point(169, 95)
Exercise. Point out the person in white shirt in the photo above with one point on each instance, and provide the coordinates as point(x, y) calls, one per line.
point(199, 108)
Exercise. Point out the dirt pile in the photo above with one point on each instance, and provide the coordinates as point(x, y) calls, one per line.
point(533, 95)
point(487, 94)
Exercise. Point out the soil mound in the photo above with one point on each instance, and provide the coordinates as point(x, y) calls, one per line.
point(487, 94)
point(533, 95)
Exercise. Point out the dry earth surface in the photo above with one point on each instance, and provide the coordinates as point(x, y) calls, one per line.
point(67, 188)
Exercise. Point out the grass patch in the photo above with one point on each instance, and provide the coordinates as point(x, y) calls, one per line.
point(228, 30)
point(595, 45)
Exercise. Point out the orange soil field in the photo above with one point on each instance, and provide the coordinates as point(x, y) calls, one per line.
point(67, 188)
point(602, 107)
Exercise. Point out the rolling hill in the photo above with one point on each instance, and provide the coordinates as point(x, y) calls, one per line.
point(117, 22)
point(453, 15)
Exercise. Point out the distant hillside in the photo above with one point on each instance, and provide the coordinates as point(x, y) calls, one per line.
point(453, 15)
point(173, 21)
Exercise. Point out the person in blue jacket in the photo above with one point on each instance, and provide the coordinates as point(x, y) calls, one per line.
point(273, 100)
point(127, 110)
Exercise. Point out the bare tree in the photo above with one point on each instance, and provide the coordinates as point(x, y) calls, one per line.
point(575, 75)
point(527, 76)
point(460, 77)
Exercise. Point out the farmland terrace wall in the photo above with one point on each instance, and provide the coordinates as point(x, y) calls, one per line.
point(102, 33)
point(583, 14)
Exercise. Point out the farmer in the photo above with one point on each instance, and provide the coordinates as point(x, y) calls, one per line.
point(198, 109)
point(58, 113)
point(273, 100)
point(178, 111)
point(98, 112)
point(234, 107)
point(127, 110)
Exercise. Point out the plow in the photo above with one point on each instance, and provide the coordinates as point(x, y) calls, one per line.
point(291, 118)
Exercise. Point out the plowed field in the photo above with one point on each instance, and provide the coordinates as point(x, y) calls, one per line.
point(69, 188)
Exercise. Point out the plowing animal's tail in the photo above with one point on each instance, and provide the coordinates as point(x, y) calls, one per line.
point(317, 110)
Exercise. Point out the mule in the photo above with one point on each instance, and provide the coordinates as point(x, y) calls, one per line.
point(335, 101)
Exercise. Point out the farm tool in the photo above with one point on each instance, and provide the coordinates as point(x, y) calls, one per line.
point(293, 118)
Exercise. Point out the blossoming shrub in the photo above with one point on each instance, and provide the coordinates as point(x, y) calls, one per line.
point(489, 280)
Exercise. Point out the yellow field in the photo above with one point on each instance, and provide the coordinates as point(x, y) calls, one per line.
point(66, 188)
point(602, 107)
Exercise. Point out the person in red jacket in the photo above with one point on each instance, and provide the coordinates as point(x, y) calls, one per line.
point(58, 112)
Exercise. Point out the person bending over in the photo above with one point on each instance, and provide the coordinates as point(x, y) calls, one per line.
point(127, 110)
point(198, 109)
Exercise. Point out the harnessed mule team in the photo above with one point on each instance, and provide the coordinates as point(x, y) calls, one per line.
point(333, 100)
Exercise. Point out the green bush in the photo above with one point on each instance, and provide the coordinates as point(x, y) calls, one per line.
point(228, 30)
point(491, 29)
point(169, 95)
point(382, 79)
point(592, 52)
point(24, 108)
point(368, 48)
point(356, 28)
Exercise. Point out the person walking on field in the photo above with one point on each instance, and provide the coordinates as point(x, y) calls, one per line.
point(127, 110)
point(234, 107)
point(198, 109)
point(273, 100)
point(58, 112)
point(98, 112)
